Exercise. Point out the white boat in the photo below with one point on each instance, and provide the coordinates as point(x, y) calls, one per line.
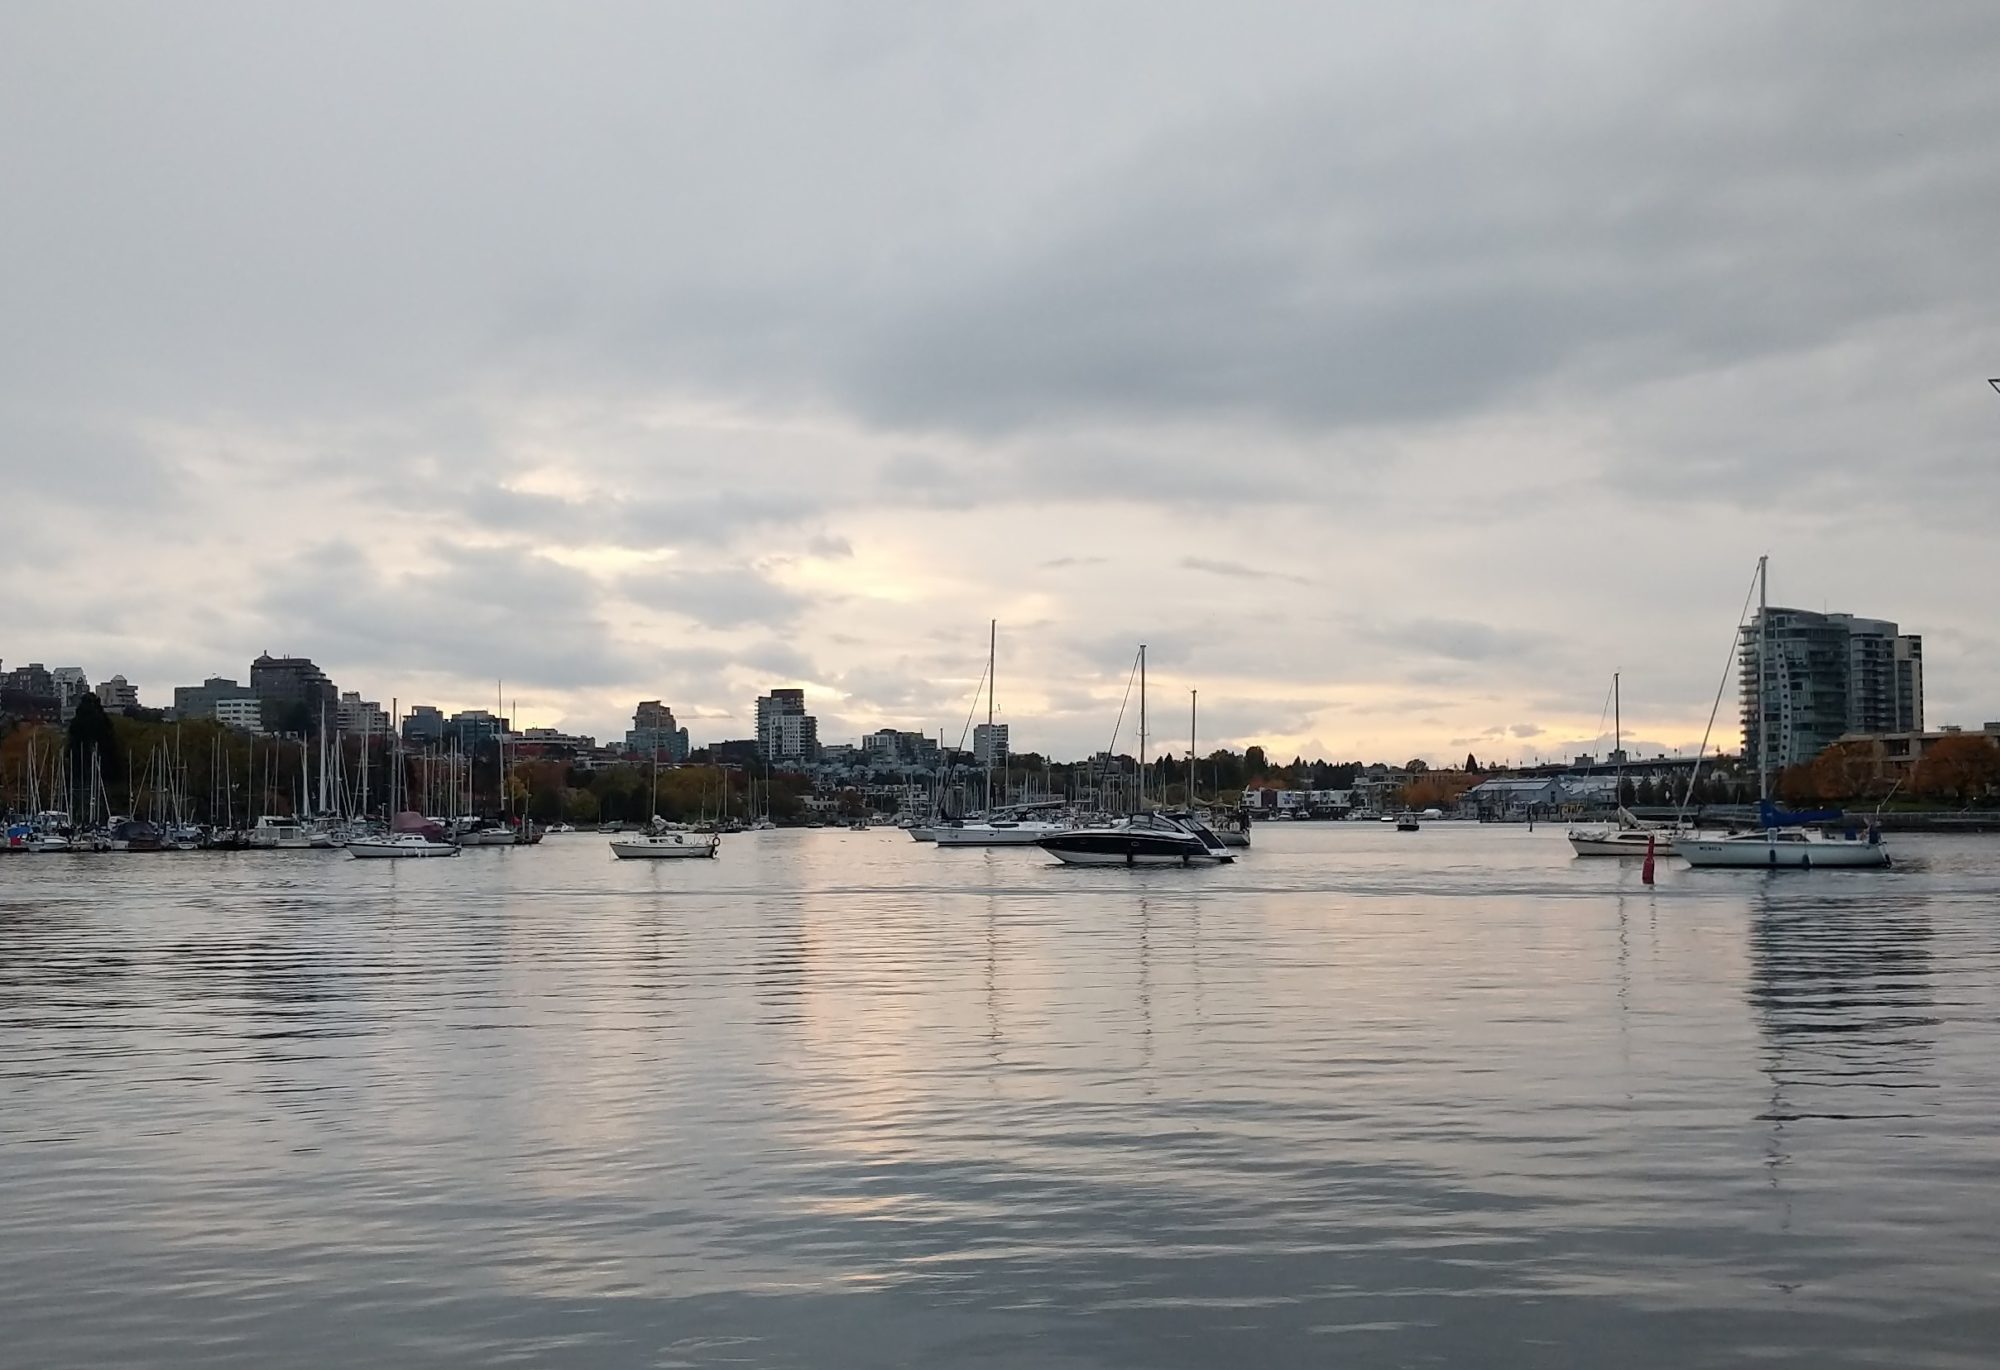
point(1788, 849)
point(1147, 839)
point(1778, 846)
point(273, 833)
point(1405, 822)
point(402, 845)
point(922, 832)
point(1622, 841)
point(664, 846)
point(1000, 832)
point(487, 837)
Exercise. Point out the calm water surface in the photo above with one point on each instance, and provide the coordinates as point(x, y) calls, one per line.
point(838, 1099)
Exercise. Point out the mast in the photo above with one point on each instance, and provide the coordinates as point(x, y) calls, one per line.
point(1763, 675)
point(1617, 726)
point(992, 642)
point(1142, 727)
point(1194, 697)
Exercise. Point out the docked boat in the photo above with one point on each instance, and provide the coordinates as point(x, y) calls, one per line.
point(1146, 839)
point(399, 845)
point(1628, 837)
point(275, 833)
point(661, 844)
point(487, 837)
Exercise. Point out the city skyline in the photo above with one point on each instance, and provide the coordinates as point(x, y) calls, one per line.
point(1160, 325)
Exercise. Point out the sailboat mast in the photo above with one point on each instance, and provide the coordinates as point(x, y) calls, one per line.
point(1142, 727)
point(1194, 697)
point(1763, 676)
point(992, 643)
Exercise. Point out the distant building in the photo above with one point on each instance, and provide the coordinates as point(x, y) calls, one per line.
point(470, 727)
point(742, 751)
point(785, 731)
point(71, 686)
point(551, 741)
point(245, 712)
point(989, 744)
point(32, 679)
point(199, 701)
point(1828, 675)
point(355, 715)
point(889, 747)
point(654, 732)
point(294, 691)
point(423, 726)
point(117, 695)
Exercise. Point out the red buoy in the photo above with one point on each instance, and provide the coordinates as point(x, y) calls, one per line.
point(1646, 871)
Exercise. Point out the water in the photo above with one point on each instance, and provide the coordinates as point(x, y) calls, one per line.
point(838, 1099)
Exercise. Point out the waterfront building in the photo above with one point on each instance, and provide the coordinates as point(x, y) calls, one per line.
point(1827, 675)
point(654, 732)
point(785, 731)
point(1883, 759)
point(244, 712)
point(200, 701)
point(118, 694)
point(32, 679)
point(294, 692)
point(989, 744)
point(423, 726)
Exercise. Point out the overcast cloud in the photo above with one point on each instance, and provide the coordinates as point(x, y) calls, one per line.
point(1397, 373)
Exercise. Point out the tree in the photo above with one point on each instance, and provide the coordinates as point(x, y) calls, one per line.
point(91, 736)
point(1959, 769)
point(1471, 764)
point(1254, 764)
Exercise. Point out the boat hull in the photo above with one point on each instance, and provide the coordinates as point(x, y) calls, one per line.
point(982, 835)
point(365, 850)
point(673, 847)
point(1614, 844)
point(1757, 854)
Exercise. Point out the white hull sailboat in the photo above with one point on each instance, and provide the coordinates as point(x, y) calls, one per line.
point(407, 846)
point(664, 846)
point(1001, 832)
point(1778, 847)
point(1633, 841)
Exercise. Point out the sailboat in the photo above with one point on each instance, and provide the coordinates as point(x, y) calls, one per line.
point(1014, 825)
point(1628, 836)
point(1150, 837)
point(658, 842)
point(1779, 845)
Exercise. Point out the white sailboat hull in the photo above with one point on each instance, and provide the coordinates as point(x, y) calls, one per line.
point(997, 834)
point(1613, 842)
point(671, 846)
point(1786, 851)
point(397, 848)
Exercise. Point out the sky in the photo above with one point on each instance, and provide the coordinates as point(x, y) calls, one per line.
point(1397, 373)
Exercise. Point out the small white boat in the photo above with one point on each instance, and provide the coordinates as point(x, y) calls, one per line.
point(487, 837)
point(401, 845)
point(1629, 837)
point(1404, 822)
point(921, 832)
point(664, 846)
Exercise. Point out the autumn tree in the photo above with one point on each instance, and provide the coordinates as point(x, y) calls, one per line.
point(1959, 769)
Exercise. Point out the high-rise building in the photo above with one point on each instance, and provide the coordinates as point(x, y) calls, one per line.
point(470, 727)
point(654, 732)
point(893, 747)
point(118, 694)
point(1827, 675)
point(989, 744)
point(785, 731)
point(294, 692)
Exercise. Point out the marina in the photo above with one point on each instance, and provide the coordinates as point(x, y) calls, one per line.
point(837, 1099)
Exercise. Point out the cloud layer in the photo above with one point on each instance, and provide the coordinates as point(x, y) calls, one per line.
point(1396, 375)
